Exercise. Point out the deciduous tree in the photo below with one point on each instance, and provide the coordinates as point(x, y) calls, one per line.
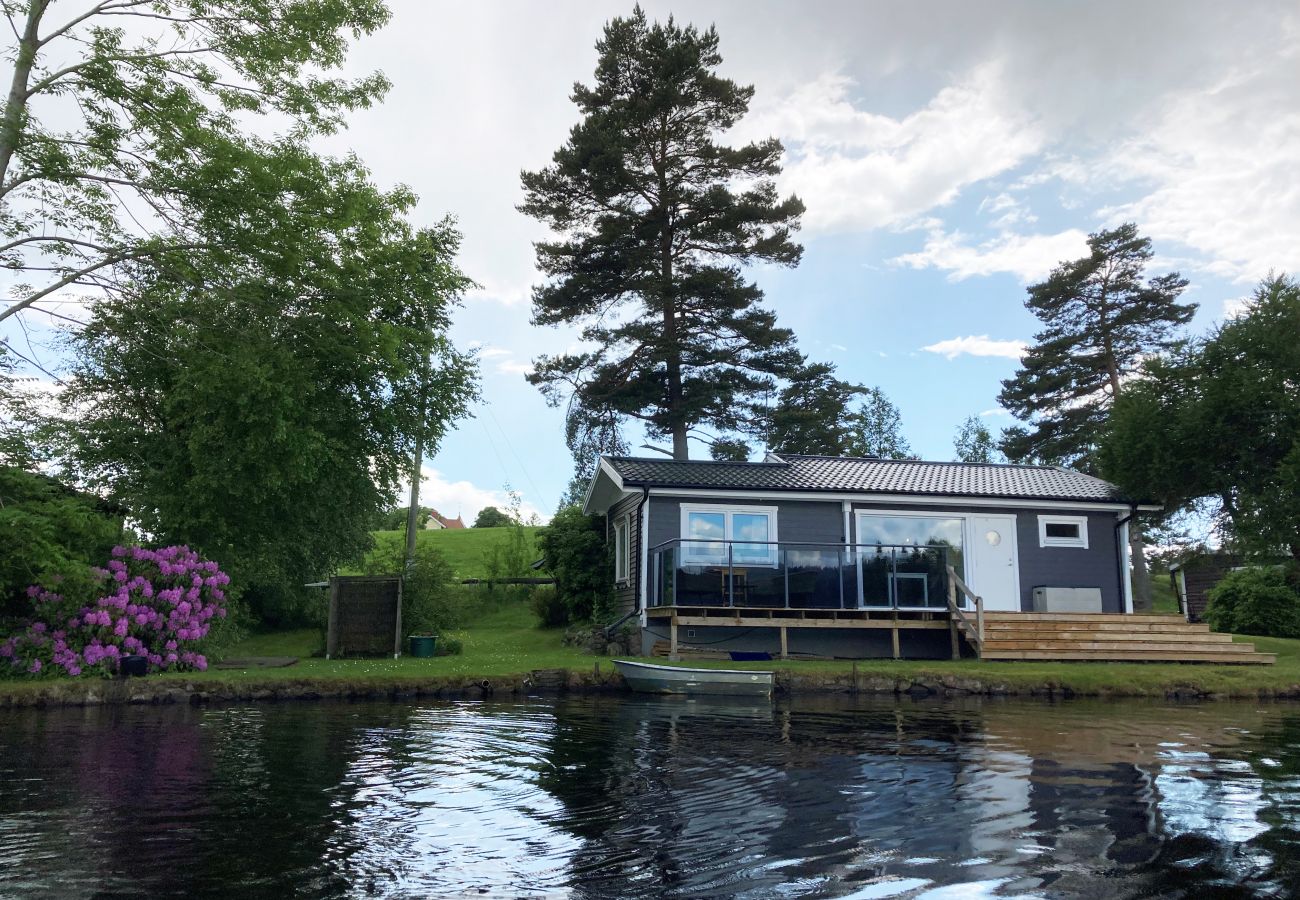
point(123, 139)
point(878, 428)
point(654, 218)
point(268, 420)
point(1221, 422)
point(974, 442)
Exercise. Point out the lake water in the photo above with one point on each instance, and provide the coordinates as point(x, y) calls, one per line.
point(621, 798)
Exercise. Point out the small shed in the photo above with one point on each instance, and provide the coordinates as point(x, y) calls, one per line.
point(1195, 575)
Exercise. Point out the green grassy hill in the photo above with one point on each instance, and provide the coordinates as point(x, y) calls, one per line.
point(468, 549)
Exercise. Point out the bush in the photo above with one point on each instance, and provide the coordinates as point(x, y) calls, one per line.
point(448, 646)
point(549, 607)
point(431, 603)
point(49, 535)
point(1262, 601)
point(579, 559)
point(160, 604)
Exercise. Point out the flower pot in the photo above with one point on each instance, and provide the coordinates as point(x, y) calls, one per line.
point(422, 645)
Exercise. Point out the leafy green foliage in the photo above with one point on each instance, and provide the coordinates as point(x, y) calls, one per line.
point(491, 517)
point(1100, 319)
point(1220, 422)
point(267, 421)
point(49, 535)
point(514, 556)
point(580, 560)
point(431, 602)
point(974, 442)
point(548, 606)
point(654, 221)
point(1263, 600)
point(394, 519)
point(148, 165)
point(877, 428)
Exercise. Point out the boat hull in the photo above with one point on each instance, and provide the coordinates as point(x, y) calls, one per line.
point(646, 678)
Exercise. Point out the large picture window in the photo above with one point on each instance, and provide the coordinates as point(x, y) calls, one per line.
point(909, 531)
point(707, 529)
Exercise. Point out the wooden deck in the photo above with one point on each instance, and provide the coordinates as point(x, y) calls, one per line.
point(1099, 637)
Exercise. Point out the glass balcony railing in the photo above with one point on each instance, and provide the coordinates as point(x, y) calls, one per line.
point(799, 575)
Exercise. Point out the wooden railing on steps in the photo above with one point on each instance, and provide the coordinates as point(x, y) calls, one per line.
point(974, 630)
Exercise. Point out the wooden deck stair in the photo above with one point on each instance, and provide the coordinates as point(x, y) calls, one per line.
point(1110, 638)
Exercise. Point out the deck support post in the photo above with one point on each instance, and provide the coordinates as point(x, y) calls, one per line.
point(952, 633)
point(894, 635)
point(672, 639)
point(785, 648)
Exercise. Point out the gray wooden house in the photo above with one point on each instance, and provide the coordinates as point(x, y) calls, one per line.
point(858, 558)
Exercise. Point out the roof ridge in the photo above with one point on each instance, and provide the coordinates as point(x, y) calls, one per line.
point(932, 462)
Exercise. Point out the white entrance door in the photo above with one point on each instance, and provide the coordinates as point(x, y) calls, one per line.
point(994, 572)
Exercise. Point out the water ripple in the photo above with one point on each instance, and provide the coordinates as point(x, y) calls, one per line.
point(629, 798)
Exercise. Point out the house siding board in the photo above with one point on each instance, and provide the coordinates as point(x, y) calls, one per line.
point(1097, 566)
point(625, 593)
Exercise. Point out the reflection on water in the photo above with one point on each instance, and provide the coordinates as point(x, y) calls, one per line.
point(617, 798)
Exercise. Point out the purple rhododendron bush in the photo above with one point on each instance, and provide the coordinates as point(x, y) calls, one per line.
point(160, 604)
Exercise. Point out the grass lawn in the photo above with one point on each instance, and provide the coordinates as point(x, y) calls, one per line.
point(467, 550)
point(503, 640)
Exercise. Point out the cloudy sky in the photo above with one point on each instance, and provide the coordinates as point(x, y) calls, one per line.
point(948, 153)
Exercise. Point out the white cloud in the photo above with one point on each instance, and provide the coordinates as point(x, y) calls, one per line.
point(1028, 257)
point(492, 352)
point(1212, 166)
point(453, 498)
point(995, 412)
point(839, 347)
point(977, 345)
point(514, 367)
point(856, 169)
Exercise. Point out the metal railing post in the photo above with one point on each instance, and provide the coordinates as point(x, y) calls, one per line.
point(676, 558)
point(731, 577)
point(840, 554)
point(784, 556)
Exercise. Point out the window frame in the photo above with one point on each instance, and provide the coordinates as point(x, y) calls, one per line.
point(728, 534)
point(623, 549)
point(1074, 543)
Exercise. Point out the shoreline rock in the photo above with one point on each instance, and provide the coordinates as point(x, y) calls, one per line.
point(145, 691)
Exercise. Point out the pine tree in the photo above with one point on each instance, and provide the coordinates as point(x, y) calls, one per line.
point(812, 414)
point(1101, 317)
point(654, 220)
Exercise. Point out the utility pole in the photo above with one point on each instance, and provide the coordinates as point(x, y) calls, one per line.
point(413, 510)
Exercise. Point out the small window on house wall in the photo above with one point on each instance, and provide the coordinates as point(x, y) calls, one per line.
point(622, 550)
point(1063, 531)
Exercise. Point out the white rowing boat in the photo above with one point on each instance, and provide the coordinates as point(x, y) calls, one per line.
point(647, 678)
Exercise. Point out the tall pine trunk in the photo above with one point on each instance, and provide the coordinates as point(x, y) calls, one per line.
point(1141, 574)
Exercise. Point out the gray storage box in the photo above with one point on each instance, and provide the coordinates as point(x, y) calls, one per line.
point(1060, 599)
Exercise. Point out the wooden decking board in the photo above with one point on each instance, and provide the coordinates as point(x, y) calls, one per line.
point(1142, 656)
point(1123, 646)
point(1067, 637)
point(1147, 628)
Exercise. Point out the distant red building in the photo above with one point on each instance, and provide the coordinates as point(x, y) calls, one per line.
point(438, 520)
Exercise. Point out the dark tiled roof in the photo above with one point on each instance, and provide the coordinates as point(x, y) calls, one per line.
point(885, 476)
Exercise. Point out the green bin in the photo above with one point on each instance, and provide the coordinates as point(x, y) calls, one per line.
point(422, 645)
